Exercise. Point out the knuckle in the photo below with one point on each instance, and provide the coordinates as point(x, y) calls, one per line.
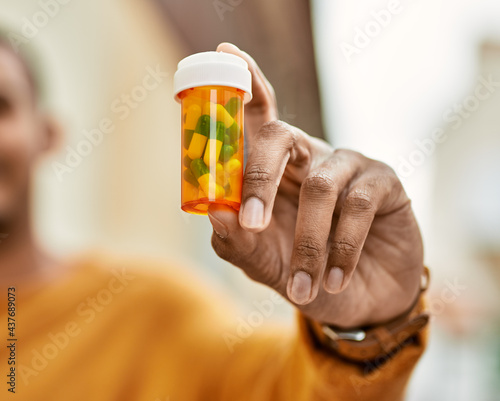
point(308, 248)
point(386, 181)
point(319, 183)
point(397, 187)
point(359, 200)
point(388, 171)
point(345, 248)
point(385, 171)
point(258, 174)
point(395, 182)
point(341, 151)
point(277, 128)
point(274, 126)
point(346, 153)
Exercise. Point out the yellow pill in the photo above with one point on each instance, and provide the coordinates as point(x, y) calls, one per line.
point(220, 175)
point(218, 112)
point(233, 166)
point(192, 99)
point(197, 146)
point(189, 191)
point(224, 116)
point(214, 146)
point(210, 109)
point(219, 192)
point(192, 116)
point(210, 187)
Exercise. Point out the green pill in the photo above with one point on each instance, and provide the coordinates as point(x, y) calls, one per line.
point(203, 125)
point(214, 145)
point(233, 105)
point(199, 168)
point(188, 135)
point(187, 161)
point(189, 177)
point(226, 153)
point(234, 133)
point(200, 137)
point(220, 131)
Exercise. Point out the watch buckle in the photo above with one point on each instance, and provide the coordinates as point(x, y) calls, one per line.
point(351, 335)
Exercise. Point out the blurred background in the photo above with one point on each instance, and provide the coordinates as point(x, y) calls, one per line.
point(414, 83)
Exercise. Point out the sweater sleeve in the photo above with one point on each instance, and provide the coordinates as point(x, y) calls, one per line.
point(198, 348)
point(278, 365)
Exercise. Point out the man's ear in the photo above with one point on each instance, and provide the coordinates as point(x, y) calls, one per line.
point(52, 134)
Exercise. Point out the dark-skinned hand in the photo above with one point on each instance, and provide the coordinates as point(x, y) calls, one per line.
point(330, 229)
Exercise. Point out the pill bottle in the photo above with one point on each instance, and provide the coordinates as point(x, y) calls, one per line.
point(212, 88)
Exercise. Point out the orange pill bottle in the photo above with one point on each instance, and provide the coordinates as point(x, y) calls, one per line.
point(212, 88)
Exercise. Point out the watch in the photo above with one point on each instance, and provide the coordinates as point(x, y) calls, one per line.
point(362, 345)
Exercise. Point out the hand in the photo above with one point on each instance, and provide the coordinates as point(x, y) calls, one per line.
point(331, 230)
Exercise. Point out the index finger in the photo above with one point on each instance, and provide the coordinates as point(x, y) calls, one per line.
point(262, 108)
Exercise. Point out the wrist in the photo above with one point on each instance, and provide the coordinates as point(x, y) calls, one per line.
point(370, 342)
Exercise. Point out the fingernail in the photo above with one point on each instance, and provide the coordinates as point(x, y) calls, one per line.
point(253, 213)
point(230, 44)
point(301, 288)
point(219, 227)
point(334, 280)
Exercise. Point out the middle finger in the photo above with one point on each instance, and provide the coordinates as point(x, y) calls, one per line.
point(318, 196)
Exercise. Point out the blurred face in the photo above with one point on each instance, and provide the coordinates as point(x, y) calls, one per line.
point(21, 135)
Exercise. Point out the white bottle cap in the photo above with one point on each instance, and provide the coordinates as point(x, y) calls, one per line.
point(213, 69)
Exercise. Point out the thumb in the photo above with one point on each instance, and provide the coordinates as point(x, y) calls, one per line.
point(229, 240)
point(224, 219)
point(245, 249)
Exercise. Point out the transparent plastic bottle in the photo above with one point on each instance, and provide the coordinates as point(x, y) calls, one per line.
point(212, 88)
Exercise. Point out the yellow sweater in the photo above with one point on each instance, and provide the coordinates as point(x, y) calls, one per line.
point(114, 330)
